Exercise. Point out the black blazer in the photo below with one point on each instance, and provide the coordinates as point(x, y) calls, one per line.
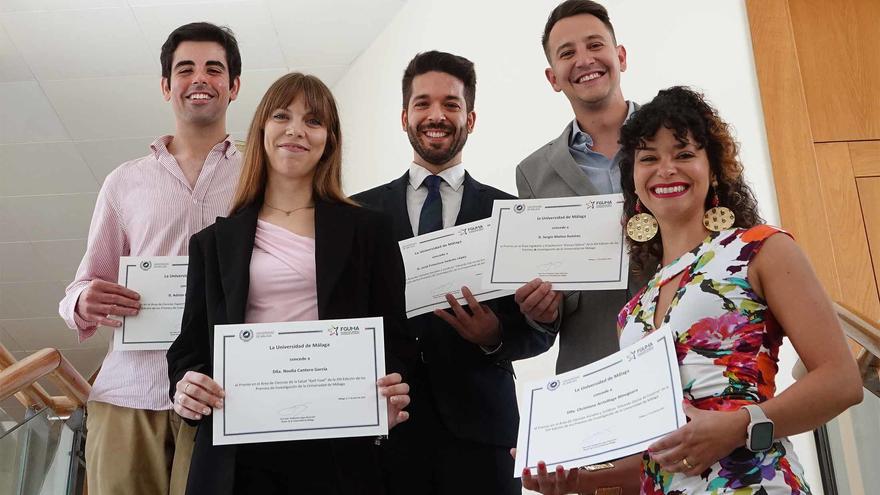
point(473, 392)
point(359, 274)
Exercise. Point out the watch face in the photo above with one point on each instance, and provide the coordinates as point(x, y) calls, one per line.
point(762, 436)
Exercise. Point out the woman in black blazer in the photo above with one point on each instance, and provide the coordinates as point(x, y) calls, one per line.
point(290, 179)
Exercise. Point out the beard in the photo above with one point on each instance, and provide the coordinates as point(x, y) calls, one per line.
point(437, 154)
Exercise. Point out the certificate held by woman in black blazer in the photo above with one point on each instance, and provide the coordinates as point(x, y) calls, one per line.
point(243, 269)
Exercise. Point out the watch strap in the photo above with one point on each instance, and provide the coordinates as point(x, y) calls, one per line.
point(756, 414)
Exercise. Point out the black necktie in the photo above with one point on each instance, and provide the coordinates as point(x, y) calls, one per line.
point(431, 217)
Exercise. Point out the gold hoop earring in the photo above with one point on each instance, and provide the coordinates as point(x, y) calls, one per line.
point(718, 218)
point(641, 227)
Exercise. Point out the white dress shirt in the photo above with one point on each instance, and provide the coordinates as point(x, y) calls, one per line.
point(451, 191)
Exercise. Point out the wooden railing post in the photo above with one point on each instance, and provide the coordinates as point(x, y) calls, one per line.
point(18, 378)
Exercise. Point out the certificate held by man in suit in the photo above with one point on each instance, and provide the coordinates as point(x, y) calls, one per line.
point(443, 262)
point(575, 243)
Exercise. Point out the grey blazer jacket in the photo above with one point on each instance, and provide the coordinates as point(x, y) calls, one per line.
point(588, 330)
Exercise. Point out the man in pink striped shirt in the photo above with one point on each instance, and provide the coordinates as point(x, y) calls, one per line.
point(151, 206)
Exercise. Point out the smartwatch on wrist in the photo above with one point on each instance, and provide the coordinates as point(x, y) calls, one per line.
point(760, 431)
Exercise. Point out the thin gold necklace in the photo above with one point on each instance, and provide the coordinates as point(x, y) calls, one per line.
point(287, 212)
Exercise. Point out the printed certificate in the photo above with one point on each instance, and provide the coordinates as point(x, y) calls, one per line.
point(442, 262)
point(612, 408)
point(161, 282)
point(575, 243)
point(299, 380)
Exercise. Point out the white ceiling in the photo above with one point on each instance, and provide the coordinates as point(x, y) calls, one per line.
point(79, 94)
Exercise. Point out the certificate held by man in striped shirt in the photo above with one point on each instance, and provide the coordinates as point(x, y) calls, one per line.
point(161, 283)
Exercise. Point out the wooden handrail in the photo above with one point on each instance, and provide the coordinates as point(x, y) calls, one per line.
point(33, 396)
point(859, 328)
point(869, 367)
point(19, 379)
point(864, 332)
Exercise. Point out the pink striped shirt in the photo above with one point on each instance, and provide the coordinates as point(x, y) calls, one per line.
point(146, 207)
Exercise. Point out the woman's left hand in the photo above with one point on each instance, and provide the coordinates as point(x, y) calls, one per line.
point(709, 436)
point(396, 393)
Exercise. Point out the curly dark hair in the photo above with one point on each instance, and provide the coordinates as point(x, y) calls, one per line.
point(686, 113)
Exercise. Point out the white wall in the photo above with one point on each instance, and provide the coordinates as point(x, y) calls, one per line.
point(702, 44)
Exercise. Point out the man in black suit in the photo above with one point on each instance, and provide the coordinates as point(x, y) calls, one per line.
point(463, 413)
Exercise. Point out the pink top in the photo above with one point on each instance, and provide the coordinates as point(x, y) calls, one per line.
point(146, 207)
point(282, 279)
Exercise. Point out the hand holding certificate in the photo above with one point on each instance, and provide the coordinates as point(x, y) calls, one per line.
point(161, 283)
point(299, 380)
point(574, 243)
point(609, 409)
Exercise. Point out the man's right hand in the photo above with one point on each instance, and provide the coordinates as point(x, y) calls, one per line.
point(196, 393)
point(538, 301)
point(101, 299)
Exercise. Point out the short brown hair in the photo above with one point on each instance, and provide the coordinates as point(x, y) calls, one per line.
point(327, 182)
point(434, 61)
point(571, 8)
point(202, 31)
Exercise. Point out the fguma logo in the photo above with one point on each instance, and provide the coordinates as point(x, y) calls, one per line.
point(640, 351)
point(336, 331)
point(599, 204)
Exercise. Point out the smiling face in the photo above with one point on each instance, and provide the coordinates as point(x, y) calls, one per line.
point(672, 178)
point(199, 89)
point(294, 139)
point(436, 120)
point(585, 64)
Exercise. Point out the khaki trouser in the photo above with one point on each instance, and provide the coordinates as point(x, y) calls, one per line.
point(134, 451)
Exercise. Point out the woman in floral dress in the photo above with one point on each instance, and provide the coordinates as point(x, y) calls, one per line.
point(730, 289)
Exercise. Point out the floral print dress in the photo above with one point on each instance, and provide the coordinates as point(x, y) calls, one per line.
point(727, 342)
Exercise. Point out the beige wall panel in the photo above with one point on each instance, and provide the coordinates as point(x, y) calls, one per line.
point(851, 254)
point(789, 136)
point(865, 157)
point(869, 195)
point(838, 45)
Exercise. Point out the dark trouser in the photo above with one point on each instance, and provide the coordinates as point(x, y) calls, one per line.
point(285, 468)
point(421, 457)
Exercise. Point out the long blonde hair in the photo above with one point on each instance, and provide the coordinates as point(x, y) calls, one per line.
point(327, 181)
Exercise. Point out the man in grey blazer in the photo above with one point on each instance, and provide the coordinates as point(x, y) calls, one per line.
point(585, 65)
